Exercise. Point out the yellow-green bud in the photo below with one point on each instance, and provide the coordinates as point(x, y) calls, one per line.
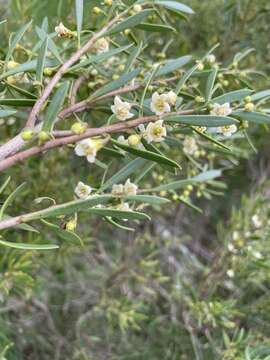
point(96, 10)
point(249, 106)
point(115, 77)
point(27, 134)
point(78, 128)
point(47, 72)
point(127, 32)
point(150, 88)
point(200, 66)
point(199, 99)
point(220, 76)
point(94, 72)
point(245, 124)
point(163, 193)
point(12, 64)
point(175, 197)
point(161, 55)
point(134, 140)
point(137, 8)
point(43, 136)
point(247, 99)
point(71, 225)
point(108, 2)
point(190, 187)
point(225, 83)
point(121, 67)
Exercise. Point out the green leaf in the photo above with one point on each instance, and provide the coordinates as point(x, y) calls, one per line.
point(5, 113)
point(148, 199)
point(130, 22)
point(51, 45)
point(41, 60)
point(119, 214)
point(96, 59)
point(147, 155)
point(116, 224)
point(210, 84)
point(211, 139)
point(79, 18)
point(123, 173)
point(116, 84)
point(172, 65)
point(174, 5)
point(63, 234)
point(68, 208)
point(185, 78)
point(192, 206)
point(21, 91)
point(179, 184)
point(10, 198)
point(201, 120)
point(254, 117)
point(18, 102)
point(155, 27)
point(29, 246)
point(5, 185)
point(260, 95)
point(55, 106)
point(241, 55)
point(232, 96)
point(111, 152)
point(133, 56)
point(16, 39)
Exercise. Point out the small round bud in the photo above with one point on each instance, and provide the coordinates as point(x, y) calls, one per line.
point(115, 77)
point(121, 67)
point(163, 193)
point(175, 197)
point(247, 99)
point(200, 66)
point(96, 10)
point(91, 84)
point(186, 193)
point(78, 128)
point(150, 88)
point(190, 187)
point(134, 140)
point(47, 72)
point(249, 106)
point(43, 136)
point(199, 99)
point(197, 154)
point(161, 55)
point(94, 72)
point(127, 32)
point(211, 59)
point(220, 76)
point(137, 8)
point(12, 64)
point(108, 2)
point(160, 177)
point(27, 134)
point(225, 83)
point(245, 124)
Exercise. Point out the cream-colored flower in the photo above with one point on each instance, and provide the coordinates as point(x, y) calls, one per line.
point(63, 31)
point(82, 190)
point(121, 109)
point(221, 110)
point(88, 148)
point(257, 222)
point(102, 45)
point(154, 132)
point(130, 188)
point(190, 146)
point(172, 98)
point(201, 128)
point(227, 130)
point(160, 104)
point(118, 189)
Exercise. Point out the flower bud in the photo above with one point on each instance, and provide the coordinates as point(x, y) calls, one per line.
point(249, 106)
point(27, 134)
point(200, 66)
point(108, 2)
point(115, 76)
point(199, 99)
point(247, 99)
point(71, 225)
point(211, 59)
point(96, 10)
point(137, 8)
point(12, 64)
point(127, 32)
point(43, 136)
point(78, 128)
point(47, 72)
point(134, 140)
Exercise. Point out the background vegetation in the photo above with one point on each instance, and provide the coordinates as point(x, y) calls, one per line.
point(186, 286)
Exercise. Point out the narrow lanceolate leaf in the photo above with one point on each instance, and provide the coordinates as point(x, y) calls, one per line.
point(232, 96)
point(172, 65)
point(119, 214)
point(21, 91)
point(116, 84)
point(79, 17)
point(254, 117)
point(117, 225)
point(201, 120)
point(260, 95)
point(174, 5)
point(133, 56)
point(179, 184)
point(124, 173)
point(161, 160)
point(55, 107)
point(51, 45)
point(9, 199)
point(68, 208)
point(2, 188)
point(63, 234)
point(185, 78)
point(130, 22)
point(41, 60)
point(5, 113)
point(155, 27)
point(210, 84)
point(18, 102)
point(23, 246)
point(241, 55)
point(16, 39)
point(211, 139)
point(148, 199)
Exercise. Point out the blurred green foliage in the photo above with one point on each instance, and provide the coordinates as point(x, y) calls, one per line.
point(184, 289)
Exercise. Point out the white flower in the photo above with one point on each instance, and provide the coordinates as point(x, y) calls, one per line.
point(122, 140)
point(257, 255)
point(82, 190)
point(121, 109)
point(155, 131)
point(227, 130)
point(211, 59)
point(102, 45)
point(160, 104)
point(88, 148)
point(130, 188)
point(230, 273)
point(118, 189)
point(256, 221)
point(172, 97)
point(190, 146)
point(62, 31)
point(221, 110)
